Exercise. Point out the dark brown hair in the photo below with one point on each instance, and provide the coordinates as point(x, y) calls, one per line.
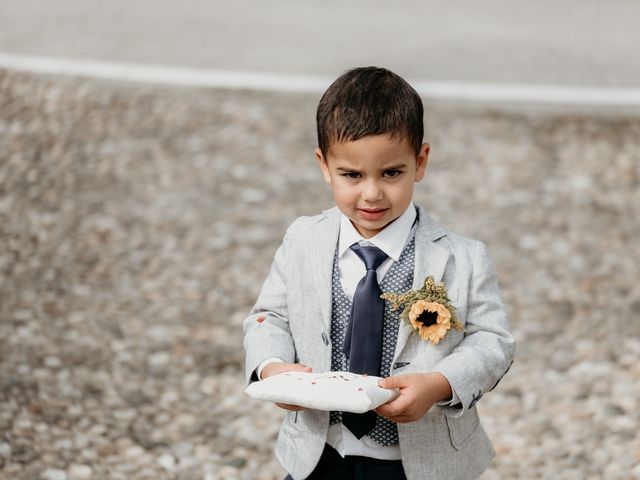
point(369, 101)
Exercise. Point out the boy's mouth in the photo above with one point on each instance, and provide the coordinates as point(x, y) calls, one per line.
point(372, 213)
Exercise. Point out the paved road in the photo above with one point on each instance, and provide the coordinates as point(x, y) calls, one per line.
point(582, 43)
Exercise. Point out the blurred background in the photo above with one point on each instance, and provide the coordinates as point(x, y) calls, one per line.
point(153, 153)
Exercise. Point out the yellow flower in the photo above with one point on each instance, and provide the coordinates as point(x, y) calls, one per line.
point(431, 319)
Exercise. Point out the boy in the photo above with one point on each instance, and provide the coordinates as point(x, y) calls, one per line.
point(320, 308)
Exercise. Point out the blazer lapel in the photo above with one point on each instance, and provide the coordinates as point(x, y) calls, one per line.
point(431, 259)
point(323, 248)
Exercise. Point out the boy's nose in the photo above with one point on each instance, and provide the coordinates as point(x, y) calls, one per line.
point(372, 192)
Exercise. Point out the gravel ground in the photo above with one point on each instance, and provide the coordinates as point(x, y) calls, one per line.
point(137, 224)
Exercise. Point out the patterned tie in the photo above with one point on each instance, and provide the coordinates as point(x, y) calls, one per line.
point(363, 340)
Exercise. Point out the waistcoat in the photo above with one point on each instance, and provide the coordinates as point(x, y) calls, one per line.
point(399, 278)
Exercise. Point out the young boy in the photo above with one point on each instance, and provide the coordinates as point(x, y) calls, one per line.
point(320, 308)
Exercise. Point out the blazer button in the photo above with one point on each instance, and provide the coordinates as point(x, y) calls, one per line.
point(325, 339)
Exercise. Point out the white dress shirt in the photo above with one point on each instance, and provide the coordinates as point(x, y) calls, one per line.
point(391, 240)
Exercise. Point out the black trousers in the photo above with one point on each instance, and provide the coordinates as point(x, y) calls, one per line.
point(333, 467)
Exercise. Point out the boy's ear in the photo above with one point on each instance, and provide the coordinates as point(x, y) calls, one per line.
point(422, 160)
point(324, 166)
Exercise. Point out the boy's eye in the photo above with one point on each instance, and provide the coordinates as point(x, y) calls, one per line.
point(353, 175)
point(392, 173)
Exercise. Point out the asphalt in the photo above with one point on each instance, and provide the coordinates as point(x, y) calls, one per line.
point(577, 43)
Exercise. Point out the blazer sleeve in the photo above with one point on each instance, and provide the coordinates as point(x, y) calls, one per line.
point(480, 360)
point(266, 328)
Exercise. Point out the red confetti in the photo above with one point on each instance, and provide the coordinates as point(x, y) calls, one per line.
point(261, 319)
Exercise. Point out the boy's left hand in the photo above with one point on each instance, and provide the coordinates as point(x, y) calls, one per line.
point(418, 393)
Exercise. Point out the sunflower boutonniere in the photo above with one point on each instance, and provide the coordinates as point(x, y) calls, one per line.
point(428, 310)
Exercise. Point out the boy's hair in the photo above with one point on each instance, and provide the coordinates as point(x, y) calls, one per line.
point(369, 101)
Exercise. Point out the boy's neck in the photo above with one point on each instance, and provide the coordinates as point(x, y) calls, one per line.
point(391, 239)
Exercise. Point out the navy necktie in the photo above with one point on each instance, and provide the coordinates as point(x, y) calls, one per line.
point(363, 341)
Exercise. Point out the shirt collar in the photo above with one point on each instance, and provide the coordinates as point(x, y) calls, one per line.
point(391, 240)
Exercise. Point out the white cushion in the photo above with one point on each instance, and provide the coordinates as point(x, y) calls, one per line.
point(343, 391)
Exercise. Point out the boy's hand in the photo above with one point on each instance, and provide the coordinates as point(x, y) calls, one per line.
point(278, 367)
point(418, 393)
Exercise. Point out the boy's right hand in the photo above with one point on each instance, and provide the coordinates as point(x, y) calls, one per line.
point(278, 367)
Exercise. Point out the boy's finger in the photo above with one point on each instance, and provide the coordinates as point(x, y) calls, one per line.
point(389, 413)
point(402, 419)
point(393, 408)
point(383, 411)
point(296, 367)
point(396, 381)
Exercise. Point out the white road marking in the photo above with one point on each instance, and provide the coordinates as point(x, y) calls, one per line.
point(299, 83)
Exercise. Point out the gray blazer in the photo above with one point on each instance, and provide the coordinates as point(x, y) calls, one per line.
point(292, 317)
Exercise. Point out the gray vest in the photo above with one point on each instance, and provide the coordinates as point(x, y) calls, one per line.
point(399, 278)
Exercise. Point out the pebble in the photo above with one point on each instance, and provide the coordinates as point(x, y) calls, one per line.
point(138, 223)
point(133, 452)
point(79, 472)
point(5, 451)
point(52, 362)
point(159, 360)
point(167, 462)
point(54, 474)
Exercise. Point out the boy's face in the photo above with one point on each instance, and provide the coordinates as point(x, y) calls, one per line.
point(372, 179)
